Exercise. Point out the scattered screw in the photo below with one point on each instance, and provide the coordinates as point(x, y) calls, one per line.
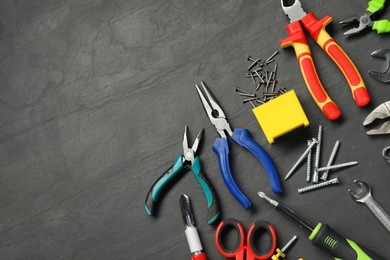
point(289, 243)
point(324, 176)
point(319, 185)
point(303, 156)
point(337, 166)
point(308, 170)
point(318, 154)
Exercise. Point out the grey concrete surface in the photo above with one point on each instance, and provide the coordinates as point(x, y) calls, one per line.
point(94, 97)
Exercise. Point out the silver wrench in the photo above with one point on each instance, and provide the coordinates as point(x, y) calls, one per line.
point(363, 195)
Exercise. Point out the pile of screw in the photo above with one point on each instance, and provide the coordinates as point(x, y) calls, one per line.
point(316, 169)
point(262, 76)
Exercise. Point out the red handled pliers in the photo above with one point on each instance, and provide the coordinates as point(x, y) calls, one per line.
point(297, 39)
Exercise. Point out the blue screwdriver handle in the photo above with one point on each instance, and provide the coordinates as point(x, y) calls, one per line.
point(221, 148)
point(243, 138)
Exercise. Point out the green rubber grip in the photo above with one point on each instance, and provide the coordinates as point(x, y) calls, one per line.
point(212, 202)
point(160, 184)
point(381, 26)
point(375, 6)
point(339, 247)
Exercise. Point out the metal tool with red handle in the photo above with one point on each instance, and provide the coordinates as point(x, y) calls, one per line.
point(246, 245)
point(297, 39)
point(191, 232)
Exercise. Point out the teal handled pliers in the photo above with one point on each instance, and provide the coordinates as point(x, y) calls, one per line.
point(365, 20)
point(185, 160)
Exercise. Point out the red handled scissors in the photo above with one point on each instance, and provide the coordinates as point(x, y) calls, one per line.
point(247, 243)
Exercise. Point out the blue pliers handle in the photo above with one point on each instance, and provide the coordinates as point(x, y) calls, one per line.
point(239, 135)
point(242, 137)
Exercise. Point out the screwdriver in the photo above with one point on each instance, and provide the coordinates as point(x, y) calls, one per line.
point(191, 231)
point(281, 252)
point(324, 237)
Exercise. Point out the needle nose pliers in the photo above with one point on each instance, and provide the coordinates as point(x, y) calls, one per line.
point(240, 136)
point(365, 20)
point(183, 161)
point(297, 39)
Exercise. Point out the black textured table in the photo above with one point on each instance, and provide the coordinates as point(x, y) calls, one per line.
point(94, 97)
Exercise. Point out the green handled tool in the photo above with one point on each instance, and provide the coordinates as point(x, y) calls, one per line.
point(324, 237)
point(366, 20)
point(183, 161)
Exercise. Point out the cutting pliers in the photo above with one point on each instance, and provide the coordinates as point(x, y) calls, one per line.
point(365, 20)
point(184, 161)
point(240, 136)
point(297, 39)
point(380, 112)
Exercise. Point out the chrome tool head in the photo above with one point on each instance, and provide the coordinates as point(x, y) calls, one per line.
point(214, 111)
point(362, 21)
point(380, 112)
point(363, 192)
point(186, 211)
point(293, 11)
point(189, 153)
point(264, 196)
point(381, 76)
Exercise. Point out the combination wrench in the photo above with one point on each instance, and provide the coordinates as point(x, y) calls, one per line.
point(363, 195)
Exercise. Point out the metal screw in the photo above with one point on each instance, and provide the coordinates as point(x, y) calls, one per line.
point(254, 81)
point(319, 185)
point(318, 154)
point(303, 156)
point(324, 176)
point(337, 166)
point(309, 155)
point(289, 243)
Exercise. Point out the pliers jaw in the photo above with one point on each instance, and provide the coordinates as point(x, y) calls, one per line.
point(363, 21)
point(293, 11)
point(189, 152)
point(214, 111)
point(381, 112)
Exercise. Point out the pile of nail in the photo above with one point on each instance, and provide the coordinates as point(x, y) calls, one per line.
point(313, 171)
point(262, 76)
